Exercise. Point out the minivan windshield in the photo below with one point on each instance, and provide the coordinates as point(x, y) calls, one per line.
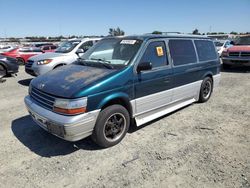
point(67, 46)
point(242, 41)
point(113, 51)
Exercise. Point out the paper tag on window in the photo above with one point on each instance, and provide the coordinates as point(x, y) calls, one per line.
point(128, 42)
point(159, 50)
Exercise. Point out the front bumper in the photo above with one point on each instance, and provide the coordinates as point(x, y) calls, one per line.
point(70, 128)
point(236, 61)
point(36, 70)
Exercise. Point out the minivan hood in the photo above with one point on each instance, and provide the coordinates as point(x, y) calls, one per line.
point(47, 55)
point(66, 81)
point(239, 48)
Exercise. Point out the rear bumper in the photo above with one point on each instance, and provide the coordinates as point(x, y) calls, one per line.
point(236, 61)
point(70, 128)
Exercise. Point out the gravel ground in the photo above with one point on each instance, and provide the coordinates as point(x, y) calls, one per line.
point(202, 145)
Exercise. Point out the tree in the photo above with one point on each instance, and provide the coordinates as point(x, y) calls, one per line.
point(116, 32)
point(196, 32)
point(157, 32)
point(233, 33)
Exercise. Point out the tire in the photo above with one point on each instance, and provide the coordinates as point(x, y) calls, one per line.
point(206, 89)
point(225, 66)
point(111, 126)
point(3, 71)
point(20, 61)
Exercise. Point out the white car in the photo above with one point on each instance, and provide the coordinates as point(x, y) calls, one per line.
point(67, 53)
point(221, 45)
point(4, 48)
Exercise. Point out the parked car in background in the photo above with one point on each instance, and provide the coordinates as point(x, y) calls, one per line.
point(222, 45)
point(41, 44)
point(66, 53)
point(8, 65)
point(23, 54)
point(238, 54)
point(122, 80)
point(49, 48)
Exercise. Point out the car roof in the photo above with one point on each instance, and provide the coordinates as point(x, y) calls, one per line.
point(157, 36)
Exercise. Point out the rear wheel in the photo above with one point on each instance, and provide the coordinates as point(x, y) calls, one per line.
point(111, 126)
point(20, 61)
point(206, 89)
point(3, 71)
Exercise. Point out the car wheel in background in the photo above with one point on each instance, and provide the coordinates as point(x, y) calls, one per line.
point(111, 126)
point(3, 71)
point(58, 66)
point(20, 61)
point(206, 89)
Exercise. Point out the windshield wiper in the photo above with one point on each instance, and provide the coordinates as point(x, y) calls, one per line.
point(82, 61)
point(104, 62)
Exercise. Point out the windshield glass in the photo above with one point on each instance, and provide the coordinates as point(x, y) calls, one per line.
point(218, 43)
point(67, 46)
point(113, 51)
point(243, 41)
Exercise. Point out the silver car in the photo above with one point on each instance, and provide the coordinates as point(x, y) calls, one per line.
point(66, 53)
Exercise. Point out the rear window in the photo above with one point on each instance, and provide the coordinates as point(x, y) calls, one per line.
point(182, 52)
point(205, 50)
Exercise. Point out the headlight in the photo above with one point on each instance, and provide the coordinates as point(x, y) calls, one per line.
point(44, 62)
point(224, 53)
point(70, 106)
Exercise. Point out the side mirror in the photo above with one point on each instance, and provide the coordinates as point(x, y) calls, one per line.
point(79, 51)
point(144, 66)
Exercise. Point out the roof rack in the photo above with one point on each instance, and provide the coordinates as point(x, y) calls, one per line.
point(165, 33)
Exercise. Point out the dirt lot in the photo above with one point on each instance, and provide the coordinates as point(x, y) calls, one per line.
point(202, 145)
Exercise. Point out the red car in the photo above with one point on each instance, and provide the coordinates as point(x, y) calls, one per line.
point(23, 54)
point(239, 54)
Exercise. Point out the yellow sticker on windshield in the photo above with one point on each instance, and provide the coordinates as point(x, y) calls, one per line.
point(159, 51)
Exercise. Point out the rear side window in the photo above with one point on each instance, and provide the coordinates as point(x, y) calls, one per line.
point(155, 54)
point(46, 48)
point(205, 50)
point(182, 52)
point(36, 50)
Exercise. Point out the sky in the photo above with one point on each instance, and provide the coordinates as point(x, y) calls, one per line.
point(20, 18)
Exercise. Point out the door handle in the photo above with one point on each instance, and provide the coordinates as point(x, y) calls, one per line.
point(193, 69)
point(166, 80)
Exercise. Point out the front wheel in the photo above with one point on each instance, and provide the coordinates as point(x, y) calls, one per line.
point(111, 126)
point(206, 89)
point(3, 71)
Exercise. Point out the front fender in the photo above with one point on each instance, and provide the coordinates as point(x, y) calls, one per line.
point(114, 96)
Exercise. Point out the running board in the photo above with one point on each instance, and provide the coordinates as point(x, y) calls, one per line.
point(151, 115)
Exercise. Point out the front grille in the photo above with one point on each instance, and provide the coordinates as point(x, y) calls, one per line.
point(234, 54)
point(29, 64)
point(245, 54)
point(43, 99)
point(239, 54)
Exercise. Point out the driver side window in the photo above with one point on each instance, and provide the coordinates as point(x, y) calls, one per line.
point(155, 54)
point(85, 46)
